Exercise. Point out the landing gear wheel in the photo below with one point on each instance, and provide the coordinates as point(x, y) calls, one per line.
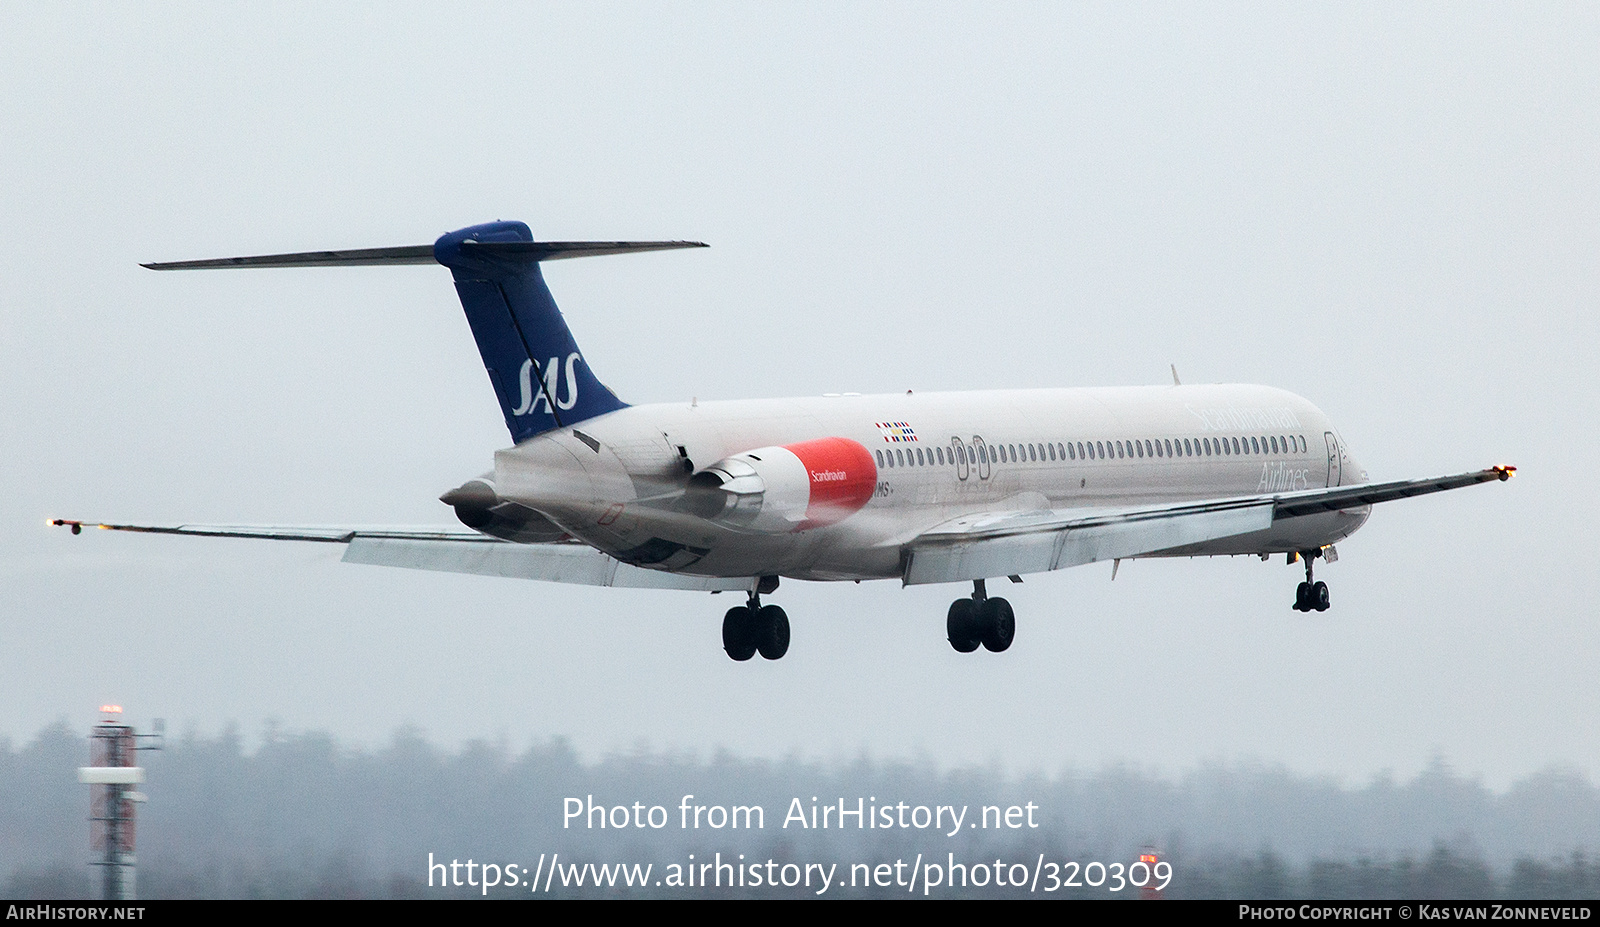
point(999, 624)
point(738, 633)
point(1311, 594)
point(771, 632)
point(961, 627)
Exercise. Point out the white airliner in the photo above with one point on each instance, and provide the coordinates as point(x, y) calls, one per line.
point(919, 487)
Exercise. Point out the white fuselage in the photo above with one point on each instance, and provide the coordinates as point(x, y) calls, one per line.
point(612, 481)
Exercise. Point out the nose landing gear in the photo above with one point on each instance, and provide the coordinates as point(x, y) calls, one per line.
point(755, 628)
point(1309, 595)
point(980, 620)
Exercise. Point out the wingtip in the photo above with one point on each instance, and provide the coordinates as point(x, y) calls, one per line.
point(1506, 471)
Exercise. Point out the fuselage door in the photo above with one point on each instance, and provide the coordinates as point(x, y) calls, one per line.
point(1333, 458)
point(983, 457)
point(960, 451)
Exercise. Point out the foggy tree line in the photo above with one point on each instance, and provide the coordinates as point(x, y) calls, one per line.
point(304, 816)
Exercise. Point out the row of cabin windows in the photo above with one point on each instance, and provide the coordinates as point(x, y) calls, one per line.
point(1094, 450)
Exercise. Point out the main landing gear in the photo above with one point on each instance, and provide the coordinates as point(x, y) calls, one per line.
point(1310, 596)
point(980, 620)
point(755, 628)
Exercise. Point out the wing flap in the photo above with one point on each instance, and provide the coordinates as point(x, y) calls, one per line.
point(326, 534)
point(557, 563)
point(950, 558)
point(989, 544)
point(452, 551)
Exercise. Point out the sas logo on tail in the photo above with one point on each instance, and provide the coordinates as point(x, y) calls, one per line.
point(533, 397)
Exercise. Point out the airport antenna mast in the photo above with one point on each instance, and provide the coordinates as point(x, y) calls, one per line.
point(112, 798)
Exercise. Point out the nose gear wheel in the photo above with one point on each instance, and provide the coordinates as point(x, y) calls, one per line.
point(1311, 595)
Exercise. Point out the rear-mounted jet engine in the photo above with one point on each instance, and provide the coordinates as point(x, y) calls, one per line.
point(777, 490)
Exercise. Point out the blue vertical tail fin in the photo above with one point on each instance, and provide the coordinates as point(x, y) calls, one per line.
point(538, 372)
point(539, 375)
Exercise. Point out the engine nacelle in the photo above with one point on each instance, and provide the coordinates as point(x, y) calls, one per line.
point(479, 507)
point(776, 490)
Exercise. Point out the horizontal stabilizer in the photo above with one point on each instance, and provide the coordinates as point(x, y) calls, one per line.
point(514, 251)
point(556, 250)
point(948, 556)
point(358, 257)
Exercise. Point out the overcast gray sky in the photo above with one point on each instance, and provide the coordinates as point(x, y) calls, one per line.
point(1391, 210)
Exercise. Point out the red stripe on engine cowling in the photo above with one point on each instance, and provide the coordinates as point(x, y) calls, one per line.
point(843, 478)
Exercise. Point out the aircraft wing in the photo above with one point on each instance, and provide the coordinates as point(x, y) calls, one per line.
point(1010, 543)
point(452, 551)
